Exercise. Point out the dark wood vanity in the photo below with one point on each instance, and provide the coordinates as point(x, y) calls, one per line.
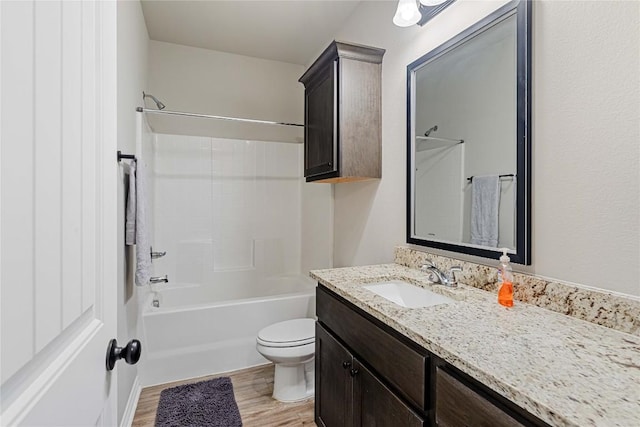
point(368, 374)
point(342, 114)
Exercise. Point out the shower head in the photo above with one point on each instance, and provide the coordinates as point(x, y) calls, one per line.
point(433, 129)
point(159, 104)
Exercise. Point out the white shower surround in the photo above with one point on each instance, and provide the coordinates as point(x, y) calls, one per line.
point(224, 206)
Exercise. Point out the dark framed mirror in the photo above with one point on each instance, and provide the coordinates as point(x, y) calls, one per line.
point(468, 139)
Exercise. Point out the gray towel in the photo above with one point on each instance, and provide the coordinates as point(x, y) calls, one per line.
point(130, 221)
point(143, 237)
point(485, 204)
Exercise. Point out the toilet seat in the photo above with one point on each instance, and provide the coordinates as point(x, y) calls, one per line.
point(290, 345)
point(290, 333)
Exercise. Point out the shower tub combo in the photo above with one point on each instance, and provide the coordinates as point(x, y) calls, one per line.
point(198, 330)
point(227, 212)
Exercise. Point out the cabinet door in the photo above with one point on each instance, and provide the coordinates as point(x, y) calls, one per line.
point(459, 405)
point(333, 381)
point(374, 405)
point(321, 131)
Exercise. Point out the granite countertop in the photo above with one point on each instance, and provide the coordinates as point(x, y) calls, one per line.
point(565, 371)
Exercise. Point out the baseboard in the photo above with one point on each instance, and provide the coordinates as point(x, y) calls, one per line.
point(132, 403)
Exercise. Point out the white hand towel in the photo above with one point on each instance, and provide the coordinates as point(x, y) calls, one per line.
point(143, 244)
point(485, 205)
point(130, 221)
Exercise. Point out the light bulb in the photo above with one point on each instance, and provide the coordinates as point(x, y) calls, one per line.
point(432, 2)
point(407, 13)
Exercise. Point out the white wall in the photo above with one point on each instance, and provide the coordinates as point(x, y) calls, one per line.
point(586, 159)
point(223, 84)
point(219, 83)
point(211, 82)
point(132, 78)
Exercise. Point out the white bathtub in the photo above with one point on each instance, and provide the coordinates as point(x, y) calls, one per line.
point(208, 329)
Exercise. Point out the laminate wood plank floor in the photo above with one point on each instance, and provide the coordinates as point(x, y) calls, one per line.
point(252, 388)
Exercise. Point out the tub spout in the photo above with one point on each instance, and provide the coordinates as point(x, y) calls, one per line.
point(164, 279)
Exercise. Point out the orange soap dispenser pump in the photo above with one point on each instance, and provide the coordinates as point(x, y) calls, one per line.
point(505, 280)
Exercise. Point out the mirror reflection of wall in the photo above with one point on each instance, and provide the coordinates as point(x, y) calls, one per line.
point(469, 94)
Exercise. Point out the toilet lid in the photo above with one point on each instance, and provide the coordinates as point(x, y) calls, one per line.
point(290, 333)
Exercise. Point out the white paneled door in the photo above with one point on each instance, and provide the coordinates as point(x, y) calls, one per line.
point(58, 211)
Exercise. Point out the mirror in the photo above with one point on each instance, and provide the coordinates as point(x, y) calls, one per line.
point(468, 146)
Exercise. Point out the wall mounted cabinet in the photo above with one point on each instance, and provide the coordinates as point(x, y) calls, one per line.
point(342, 101)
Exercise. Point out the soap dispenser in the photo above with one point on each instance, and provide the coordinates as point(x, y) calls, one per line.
point(505, 280)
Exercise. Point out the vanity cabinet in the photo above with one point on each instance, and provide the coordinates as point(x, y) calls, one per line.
point(342, 104)
point(368, 374)
point(365, 375)
point(349, 394)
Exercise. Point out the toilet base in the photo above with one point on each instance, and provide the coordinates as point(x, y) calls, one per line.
point(293, 383)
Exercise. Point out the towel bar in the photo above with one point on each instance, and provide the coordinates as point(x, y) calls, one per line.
point(499, 176)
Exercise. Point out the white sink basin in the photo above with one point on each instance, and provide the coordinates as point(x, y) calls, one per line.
point(406, 294)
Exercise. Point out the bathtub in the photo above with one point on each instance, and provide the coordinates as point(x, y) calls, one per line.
point(209, 329)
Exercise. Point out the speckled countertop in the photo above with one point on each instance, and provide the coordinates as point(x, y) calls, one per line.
point(565, 371)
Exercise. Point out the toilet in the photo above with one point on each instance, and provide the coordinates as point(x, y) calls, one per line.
point(291, 346)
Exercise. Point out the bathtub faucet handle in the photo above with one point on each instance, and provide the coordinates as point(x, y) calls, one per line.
point(160, 279)
point(156, 255)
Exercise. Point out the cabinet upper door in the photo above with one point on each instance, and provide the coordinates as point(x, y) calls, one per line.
point(321, 130)
point(333, 381)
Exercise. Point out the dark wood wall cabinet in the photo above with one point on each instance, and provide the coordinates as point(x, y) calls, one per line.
point(342, 114)
point(367, 374)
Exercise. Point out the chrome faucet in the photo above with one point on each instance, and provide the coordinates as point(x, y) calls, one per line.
point(437, 276)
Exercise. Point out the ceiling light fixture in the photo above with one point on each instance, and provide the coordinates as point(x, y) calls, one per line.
point(407, 13)
point(410, 12)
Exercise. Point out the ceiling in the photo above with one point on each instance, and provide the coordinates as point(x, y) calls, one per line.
point(289, 31)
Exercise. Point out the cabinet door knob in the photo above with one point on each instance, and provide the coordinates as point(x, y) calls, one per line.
point(354, 372)
point(346, 365)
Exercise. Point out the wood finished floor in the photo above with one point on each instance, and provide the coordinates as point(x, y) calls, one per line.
point(252, 388)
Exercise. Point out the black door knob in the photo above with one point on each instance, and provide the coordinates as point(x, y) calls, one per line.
point(346, 365)
point(130, 353)
point(353, 372)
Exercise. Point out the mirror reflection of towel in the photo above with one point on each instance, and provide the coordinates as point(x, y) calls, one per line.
point(485, 203)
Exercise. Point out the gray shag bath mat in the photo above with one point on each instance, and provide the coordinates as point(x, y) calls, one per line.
point(204, 404)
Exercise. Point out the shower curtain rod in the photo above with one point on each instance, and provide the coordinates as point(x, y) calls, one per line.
point(208, 116)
